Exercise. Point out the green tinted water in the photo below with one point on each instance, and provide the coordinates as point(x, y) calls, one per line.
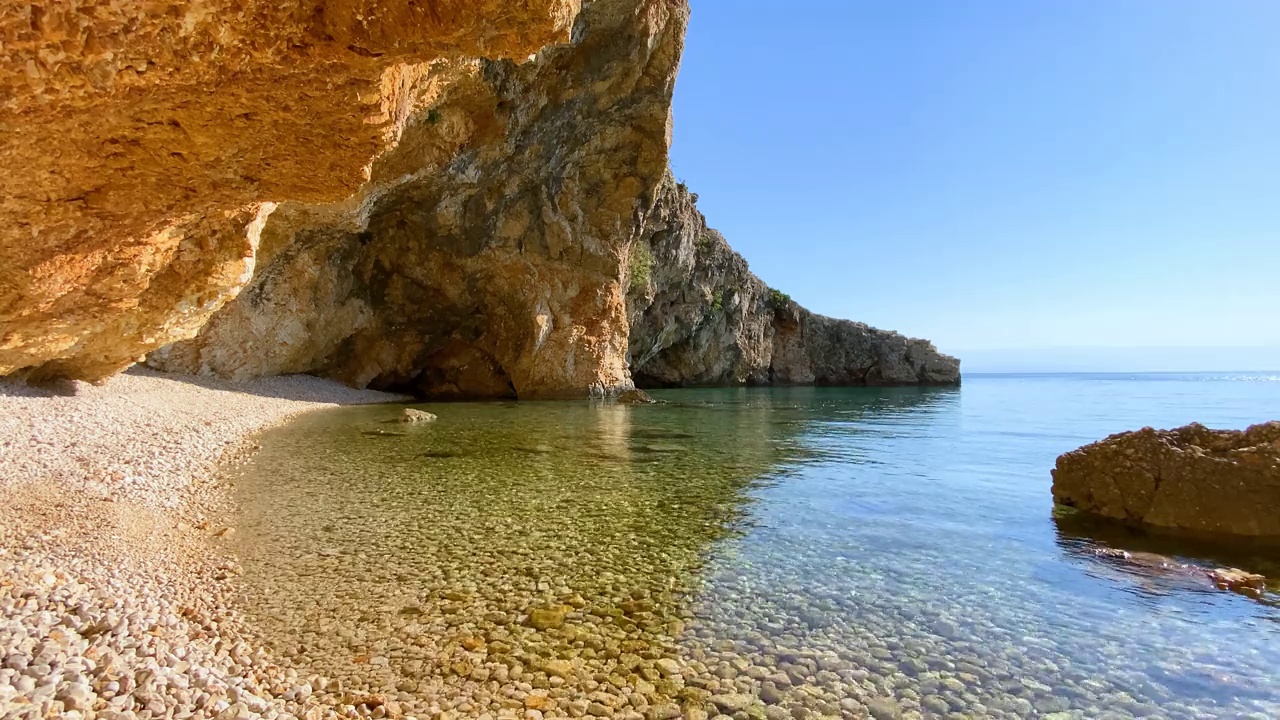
point(764, 553)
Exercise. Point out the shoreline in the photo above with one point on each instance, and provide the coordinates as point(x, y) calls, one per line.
point(116, 598)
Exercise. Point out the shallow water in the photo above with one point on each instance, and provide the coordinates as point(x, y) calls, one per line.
point(829, 552)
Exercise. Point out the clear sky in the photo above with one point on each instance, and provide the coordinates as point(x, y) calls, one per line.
point(997, 173)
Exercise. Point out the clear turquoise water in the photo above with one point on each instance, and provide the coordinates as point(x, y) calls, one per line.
point(879, 545)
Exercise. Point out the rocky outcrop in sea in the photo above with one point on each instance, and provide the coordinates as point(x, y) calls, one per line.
point(699, 316)
point(1188, 479)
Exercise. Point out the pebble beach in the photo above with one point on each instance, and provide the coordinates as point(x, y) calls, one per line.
point(115, 597)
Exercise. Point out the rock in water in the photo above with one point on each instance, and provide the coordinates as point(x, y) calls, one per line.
point(1152, 564)
point(1237, 580)
point(635, 397)
point(730, 703)
point(413, 417)
point(1192, 479)
point(547, 618)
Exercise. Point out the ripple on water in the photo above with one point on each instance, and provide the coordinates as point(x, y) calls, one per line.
point(774, 553)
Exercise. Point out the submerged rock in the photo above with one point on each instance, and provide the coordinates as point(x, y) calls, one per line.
point(730, 703)
point(1237, 580)
point(1190, 479)
point(547, 618)
point(413, 417)
point(1156, 565)
point(635, 397)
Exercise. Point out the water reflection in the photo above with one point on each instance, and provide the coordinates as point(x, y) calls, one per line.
point(497, 538)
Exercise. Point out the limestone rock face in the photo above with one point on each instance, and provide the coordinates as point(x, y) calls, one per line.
point(485, 255)
point(698, 316)
point(144, 143)
point(1192, 479)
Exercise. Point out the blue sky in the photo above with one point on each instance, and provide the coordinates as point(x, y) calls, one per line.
point(997, 173)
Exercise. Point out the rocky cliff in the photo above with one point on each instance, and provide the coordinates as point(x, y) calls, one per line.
point(698, 316)
point(1192, 479)
point(475, 228)
point(485, 255)
point(145, 143)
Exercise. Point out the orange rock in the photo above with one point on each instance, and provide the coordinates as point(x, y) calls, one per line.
point(507, 208)
point(1236, 580)
point(1218, 482)
point(144, 143)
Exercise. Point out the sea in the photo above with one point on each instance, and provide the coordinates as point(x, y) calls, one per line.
point(806, 552)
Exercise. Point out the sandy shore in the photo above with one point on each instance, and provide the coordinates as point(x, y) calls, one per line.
point(113, 595)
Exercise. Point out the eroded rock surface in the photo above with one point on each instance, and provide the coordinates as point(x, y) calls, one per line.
point(517, 235)
point(1192, 479)
point(525, 238)
point(144, 142)
point(700, 317)
point(485, 256)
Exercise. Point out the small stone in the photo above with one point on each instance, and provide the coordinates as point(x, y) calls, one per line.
point(668, 667)
point(851, 706)
point(411, 416)
point(538, 700)
point(547, 618)
point(76, 696)
point(559, 668)
point(884, 709)
point(935, 704)
point(732, 702)
point(664, 711)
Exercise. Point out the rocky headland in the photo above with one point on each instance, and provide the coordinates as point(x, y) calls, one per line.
point(699, 316)
point(1192, 479)
point(476, 228)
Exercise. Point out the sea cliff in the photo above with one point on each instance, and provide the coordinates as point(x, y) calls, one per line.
point(482, 235)
point(699, 316)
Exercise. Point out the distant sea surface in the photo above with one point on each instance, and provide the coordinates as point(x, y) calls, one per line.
point(903, 539)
